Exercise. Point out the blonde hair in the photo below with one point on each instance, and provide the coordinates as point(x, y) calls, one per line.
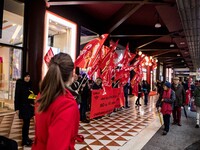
point(60, 69)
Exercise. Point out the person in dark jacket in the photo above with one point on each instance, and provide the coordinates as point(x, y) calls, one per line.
point(126, 87)
point(168, 97)
point(139, 95)
point(24, 105)
point(179, 101)
point(197, 102)
point(97, 84)
point(146, 90)
point(85, 94)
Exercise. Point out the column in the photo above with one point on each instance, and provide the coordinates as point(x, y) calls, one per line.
point(164, 72)
point(148, 74)
point(158, 71)
point(34, 15)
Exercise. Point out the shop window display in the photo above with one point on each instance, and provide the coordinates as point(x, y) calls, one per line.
point(11, 44)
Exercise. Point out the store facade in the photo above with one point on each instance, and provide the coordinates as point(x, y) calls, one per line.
point(26, 39)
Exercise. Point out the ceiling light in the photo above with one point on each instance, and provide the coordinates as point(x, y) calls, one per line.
point(178, 55)
point(139, 53)
point(171, 45)
point(182, 43)
point(182, 60)
point(157, 25)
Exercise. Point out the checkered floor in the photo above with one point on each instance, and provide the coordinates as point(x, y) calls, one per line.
point(108, 133)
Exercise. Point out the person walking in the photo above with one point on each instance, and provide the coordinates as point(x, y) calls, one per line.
point(179, 101)
point(24, 106)
point(125, 89)
point(168, 97)
point(197, 102)
point(146, 90)
point(56, 112)
point(137, 103)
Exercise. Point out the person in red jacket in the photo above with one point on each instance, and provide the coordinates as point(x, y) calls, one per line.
point(167, 100)
point(57, 114)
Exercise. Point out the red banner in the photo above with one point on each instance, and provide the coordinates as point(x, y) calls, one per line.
point(105, 104)
point(120, 97)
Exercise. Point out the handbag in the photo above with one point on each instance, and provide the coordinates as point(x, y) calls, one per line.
point(192, 105)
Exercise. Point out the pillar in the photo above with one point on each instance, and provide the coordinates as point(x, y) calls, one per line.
point(148, 74)
point(158, 71)
point(164, 72)
point(34, 16)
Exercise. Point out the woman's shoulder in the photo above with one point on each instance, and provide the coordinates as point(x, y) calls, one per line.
point(66, 99)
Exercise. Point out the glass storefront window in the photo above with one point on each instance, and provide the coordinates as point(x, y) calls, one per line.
point(12, 28)
point(10, 56)
point(60, 35)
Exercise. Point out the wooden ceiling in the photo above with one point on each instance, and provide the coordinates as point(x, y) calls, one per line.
point(133, 22)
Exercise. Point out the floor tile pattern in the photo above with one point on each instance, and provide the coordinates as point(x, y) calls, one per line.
point(108, 133)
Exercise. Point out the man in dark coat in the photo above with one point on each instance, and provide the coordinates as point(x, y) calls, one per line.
point(24, 105)
point(146, 90)
point(179, 101)
point(126, 87)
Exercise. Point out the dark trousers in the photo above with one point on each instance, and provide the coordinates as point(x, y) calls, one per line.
point(126, 100)
point(25, 129)
point(83, 110)
point(138, 99)
point(146, 95)
point(166, 119)
point(177, 114)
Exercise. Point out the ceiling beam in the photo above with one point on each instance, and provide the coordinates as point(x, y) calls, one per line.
point(122, 14)
point(152, 40)
point(142, 35)
point(159, 45)
point(65, 2)
point(163, 52)
point(163, 49)
point(139, 30)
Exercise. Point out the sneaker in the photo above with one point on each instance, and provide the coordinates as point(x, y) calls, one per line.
point(164, 133)
point(197, 126)
point(179, 124)
point(27, 143)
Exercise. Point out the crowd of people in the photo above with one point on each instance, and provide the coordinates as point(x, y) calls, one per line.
point(172, 97)
point(61, 104)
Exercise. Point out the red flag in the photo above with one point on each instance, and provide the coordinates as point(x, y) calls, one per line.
point(108, 60)
point(48, 56)
point(96, 50)
point(82, 60)
point(89, 52)
point(127, 57)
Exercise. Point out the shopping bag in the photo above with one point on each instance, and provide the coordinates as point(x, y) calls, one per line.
point(192, 105)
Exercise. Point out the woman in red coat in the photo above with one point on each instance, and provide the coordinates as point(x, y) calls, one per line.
point(168, 98)
point(57, 114)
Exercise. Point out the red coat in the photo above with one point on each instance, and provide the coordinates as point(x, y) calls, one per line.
point(57, 127)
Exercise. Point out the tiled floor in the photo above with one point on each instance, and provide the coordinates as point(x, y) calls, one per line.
point(107, 133)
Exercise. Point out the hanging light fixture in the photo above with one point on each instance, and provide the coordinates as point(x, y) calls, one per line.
point(171, 44)
point(157, 25)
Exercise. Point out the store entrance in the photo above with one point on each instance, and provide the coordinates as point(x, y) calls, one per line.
point(10, 71)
